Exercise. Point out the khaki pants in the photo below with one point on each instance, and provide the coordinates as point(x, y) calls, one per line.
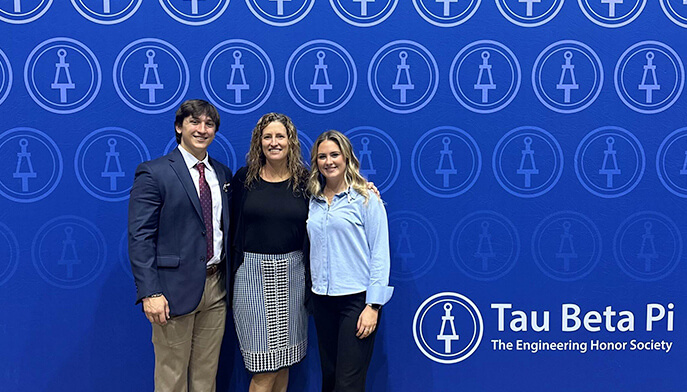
point(187, 348)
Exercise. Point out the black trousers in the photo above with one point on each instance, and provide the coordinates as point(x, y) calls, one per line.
point(344, 358)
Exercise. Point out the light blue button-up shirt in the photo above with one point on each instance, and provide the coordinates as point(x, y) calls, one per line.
point(349, 247)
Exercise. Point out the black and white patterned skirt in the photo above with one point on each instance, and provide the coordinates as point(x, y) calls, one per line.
point(269, 314)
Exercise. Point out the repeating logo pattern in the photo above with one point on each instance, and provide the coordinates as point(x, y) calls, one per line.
point(648, 246)
point(62, 75)
point(403, 76)
point(610, 162)
point(9, 253)
point(107, 12)
point(280, 12)
point(151, 76)
point(612, 13)
point(237, 76)
point(321, 76)
point(446, 162)
point(5, 77)
point(448, 327)
point(649, 77)
point(528, 162)
point(485, 76)
point(23, 11)
point(31, 165)
point(676, 11)
point(446, 13)
point(69, 252)
point(364, 13)
point(194, 12)
point(566, 246)
point(485, 245)
point(414, 245)
point(671, 162)
point(106, 161)
point(567, 76)
point(529, 13)
point(379, 156)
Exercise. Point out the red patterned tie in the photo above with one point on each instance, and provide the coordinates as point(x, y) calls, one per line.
point(206, 207)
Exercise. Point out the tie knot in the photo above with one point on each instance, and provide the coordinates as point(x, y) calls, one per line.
point(200, 166)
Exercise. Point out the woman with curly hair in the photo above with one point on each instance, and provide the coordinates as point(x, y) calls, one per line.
point(349, 262)
point(269, 253)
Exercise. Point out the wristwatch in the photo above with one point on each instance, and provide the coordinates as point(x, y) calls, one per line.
point(375, 306)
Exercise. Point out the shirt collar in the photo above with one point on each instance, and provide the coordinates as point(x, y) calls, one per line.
point(349, 192)
point(191, 161)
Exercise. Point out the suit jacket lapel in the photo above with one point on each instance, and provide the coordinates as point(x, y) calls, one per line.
point(222, 178)
point(179, 167)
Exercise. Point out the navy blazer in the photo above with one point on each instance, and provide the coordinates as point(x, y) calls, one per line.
point(167, 246)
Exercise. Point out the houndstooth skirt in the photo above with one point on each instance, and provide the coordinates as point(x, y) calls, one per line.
point(269, 312)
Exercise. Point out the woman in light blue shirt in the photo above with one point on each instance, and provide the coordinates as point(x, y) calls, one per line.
point(349, 262)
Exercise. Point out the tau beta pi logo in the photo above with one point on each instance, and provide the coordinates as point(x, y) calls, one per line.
point(448, 327)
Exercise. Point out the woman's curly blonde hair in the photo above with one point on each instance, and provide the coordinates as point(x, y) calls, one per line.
point(255, 158)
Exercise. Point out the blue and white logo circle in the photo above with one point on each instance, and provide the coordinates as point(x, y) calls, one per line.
point(527, 162)
point(30, 165)
point(676, 11)
point(364, 13)
point(566, 246)
point(5, 77)
point(649, 77)
point(379, 156)
point(647, 246)
point(485, 76)
point(403, 76)
point(567, 76)
point(9, 253)
point(107, 12)
point(612, 13)
point(321, 76)
point(69, 252)
point(220, 149)
point(446, 13)
point(485, 245)
point(237, 76)
point(529, 13)
point(106, 160)
point(151, 76)
point(446, 161)
point(610, 162)
point(19, 12)
point(62, 75)
point(414, 245)
point(448, 327)
point(194, 12)
point(280, 12)
point(671, 162)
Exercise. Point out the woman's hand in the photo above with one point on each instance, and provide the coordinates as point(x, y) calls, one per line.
point(371, 187)
point(367, 322)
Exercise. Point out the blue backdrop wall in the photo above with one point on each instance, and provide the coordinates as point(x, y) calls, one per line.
point(532, 154)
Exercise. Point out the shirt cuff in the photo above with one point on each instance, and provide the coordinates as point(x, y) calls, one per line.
point(378, 294)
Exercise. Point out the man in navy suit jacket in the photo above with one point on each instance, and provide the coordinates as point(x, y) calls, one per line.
point(178, 241)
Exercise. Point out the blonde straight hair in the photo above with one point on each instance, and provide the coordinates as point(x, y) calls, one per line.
point(352, 177)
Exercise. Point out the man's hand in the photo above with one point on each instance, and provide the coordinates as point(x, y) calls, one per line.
point(367, 322)
point(156, 309)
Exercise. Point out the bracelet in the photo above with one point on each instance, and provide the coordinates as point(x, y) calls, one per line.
point(154, 295)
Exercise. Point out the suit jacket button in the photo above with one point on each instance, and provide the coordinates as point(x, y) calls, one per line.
point(202, 259)
point(203, 233)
